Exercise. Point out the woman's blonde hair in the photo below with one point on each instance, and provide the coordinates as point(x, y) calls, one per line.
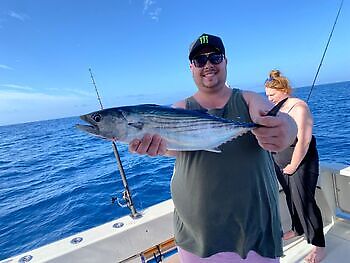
point(278, 82)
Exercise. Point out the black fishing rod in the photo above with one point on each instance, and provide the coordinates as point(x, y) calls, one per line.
point(126, 194)
point(325, 50)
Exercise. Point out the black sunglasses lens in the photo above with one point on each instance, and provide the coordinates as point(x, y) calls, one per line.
point(215, 58)
point(201, 60)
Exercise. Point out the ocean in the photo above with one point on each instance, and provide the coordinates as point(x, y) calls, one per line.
point(56, 181)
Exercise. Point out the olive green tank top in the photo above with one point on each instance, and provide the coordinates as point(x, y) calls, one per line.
point(227, 202)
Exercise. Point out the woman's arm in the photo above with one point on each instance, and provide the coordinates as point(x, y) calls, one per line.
point(302, 116)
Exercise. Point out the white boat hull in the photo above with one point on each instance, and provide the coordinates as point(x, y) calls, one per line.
point(129, 242)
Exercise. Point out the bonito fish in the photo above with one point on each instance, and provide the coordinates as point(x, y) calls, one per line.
point(183, 130)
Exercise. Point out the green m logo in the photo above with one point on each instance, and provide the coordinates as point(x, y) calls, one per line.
point(203, 39)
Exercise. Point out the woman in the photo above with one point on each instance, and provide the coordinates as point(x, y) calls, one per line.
point(297, 168)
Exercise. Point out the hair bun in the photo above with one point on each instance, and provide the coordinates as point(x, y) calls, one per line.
point(275, 73)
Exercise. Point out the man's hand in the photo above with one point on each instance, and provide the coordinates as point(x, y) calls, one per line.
point(277, 132)
point(151, 145)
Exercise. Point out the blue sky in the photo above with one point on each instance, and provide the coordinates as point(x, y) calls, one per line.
point(138, 50)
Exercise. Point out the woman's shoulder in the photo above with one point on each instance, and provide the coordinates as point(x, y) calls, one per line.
point(297, 107)
point(296, 103)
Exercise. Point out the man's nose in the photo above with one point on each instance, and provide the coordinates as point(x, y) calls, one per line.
point(208, 64)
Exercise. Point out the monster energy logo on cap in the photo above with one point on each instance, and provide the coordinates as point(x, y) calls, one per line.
point(203, 39)
point(206, 40)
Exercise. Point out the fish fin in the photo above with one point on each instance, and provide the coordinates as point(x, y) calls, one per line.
point(137, 125)
point(273, 111)
point(276, 108)
point(214, 150)
point(133, 122)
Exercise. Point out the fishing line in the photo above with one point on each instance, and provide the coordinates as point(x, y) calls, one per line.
point(325, 50)
point(94, 83)
point(126, 194)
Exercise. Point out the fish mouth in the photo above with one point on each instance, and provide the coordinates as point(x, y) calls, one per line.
point(93, 128)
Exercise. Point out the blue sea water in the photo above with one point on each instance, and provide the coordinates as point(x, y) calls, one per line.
point(56, 181)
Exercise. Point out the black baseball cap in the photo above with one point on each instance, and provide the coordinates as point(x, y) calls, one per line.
point(206, 40)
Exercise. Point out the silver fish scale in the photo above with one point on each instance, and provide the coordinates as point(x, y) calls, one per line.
point(186, 123)
point(191, 132)
point(183, 130)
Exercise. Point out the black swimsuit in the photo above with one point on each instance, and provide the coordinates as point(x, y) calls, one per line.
point(300, 192)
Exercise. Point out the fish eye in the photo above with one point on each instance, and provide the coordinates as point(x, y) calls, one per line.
point(96, 117)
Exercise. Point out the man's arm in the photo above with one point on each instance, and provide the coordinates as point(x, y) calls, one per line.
point(277, 132)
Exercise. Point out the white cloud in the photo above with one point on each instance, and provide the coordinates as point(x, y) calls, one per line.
point(149, 7)
point(155, 14)
point(13, 90)
point(18, 16)
point(2, 66)
point(21, 106)
point(7, 16)
point(32, 96)
point(16, 87)
point(74, 92)
point(147, 4)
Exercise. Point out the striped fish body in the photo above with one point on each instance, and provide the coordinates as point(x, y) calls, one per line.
point(183, 130)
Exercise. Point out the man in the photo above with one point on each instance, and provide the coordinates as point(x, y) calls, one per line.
point(226, 204)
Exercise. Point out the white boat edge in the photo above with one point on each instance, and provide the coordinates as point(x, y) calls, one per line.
point(125, 239)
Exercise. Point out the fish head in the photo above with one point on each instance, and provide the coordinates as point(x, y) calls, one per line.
point(108, 124)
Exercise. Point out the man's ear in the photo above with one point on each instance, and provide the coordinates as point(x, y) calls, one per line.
point(191, 67)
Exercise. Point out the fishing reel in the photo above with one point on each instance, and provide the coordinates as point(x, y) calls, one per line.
point(123, 201)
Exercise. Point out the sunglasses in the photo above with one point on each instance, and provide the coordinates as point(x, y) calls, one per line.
point(214, 58)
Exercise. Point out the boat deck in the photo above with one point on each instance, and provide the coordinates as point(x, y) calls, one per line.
point(337, 234)
point(296, 249)
point(337, 245)
point(336, 230)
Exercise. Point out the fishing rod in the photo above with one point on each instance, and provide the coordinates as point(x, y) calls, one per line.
point(126, 194)
point(325, 50)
